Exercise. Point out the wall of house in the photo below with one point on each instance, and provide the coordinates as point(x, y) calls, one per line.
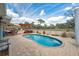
point(2, 13)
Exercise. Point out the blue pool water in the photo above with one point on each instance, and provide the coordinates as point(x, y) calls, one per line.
point(44, 40)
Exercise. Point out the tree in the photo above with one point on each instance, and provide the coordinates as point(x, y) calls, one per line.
point(70, 23)
point(45, 26)
point(51, 26)
point(41, 21)
point(26, 23)
point(33, 26)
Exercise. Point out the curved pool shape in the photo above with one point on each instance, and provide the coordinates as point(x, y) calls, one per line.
point(44, 40)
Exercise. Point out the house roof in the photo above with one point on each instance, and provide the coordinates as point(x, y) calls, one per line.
point(25, 24)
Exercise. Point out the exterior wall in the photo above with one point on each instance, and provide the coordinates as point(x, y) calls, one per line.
point(2, 9)
point(2, 14)
point(1, 32)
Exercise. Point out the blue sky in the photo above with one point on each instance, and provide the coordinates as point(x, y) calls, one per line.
point(46, 11)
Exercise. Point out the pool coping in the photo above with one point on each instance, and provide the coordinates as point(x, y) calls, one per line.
point(62, 45)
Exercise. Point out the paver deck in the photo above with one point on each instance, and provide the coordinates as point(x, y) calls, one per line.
point(21, 46)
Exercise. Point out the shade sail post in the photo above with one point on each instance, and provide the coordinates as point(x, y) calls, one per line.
point(77, 25)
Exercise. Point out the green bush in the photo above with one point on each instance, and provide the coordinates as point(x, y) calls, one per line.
point(64, 34)
point(73, 36)
point(55, 35)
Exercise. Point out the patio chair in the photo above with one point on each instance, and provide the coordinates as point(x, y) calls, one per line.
point(4, 47)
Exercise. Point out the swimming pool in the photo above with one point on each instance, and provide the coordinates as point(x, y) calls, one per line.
point(44, 40)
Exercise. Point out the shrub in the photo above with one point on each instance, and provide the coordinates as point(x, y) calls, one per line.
point(37, 32)
point(44, 32)
point(64, 34)
point(73, 36)
point(55, 35)
point(68, 30)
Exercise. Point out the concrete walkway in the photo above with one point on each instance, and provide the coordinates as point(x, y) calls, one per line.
point(21, 46)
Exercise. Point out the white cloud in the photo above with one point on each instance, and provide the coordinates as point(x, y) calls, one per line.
point(68, 18)
point(42, 24)
point(67, 8)
point(36, 23)
point(57, 19)
point(52, 20)
point(21, 20)
point(26, 19)
point(11, 13)
point(42, 13)
point(47, 23)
